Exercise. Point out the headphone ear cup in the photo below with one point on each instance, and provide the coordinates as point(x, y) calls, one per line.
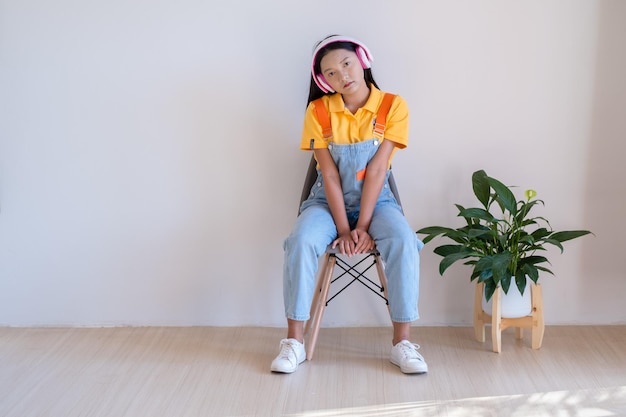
point(323, 84)
point(362, 55)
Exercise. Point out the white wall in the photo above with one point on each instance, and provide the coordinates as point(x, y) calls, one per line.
point(149, 161)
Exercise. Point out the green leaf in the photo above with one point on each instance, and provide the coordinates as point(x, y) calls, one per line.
point(481, 187)
point(541, 268)
point(527, 240)
point(532, 260)
point(490, 288)
point(504, 195)
point(554, 242)
point(483, 264)
point(477, 213)
point(530, 204)
point(479, 231)
point(520, 281)
point(568, 235)
point(428, 238)
point(459, 236)
point(540, 233)
point(433, 230)
point(461, 208)
point(530, 270)
point(525, 222)
point(474, 275)
point(500, 266)
point(485, 276)
point(445, 250)
point(447, 261)
point(505, 282)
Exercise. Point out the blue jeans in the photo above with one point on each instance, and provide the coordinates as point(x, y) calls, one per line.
point(315, 229)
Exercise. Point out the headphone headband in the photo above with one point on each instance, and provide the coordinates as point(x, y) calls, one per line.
point(364, 55)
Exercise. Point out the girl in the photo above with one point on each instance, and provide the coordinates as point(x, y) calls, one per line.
point(351, 207)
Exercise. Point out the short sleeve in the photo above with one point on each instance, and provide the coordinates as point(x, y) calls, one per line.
point(312, 137)
point(398, 123)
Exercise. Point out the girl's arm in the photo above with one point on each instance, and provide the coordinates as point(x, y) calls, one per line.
point(334, 196)
point(372, 185)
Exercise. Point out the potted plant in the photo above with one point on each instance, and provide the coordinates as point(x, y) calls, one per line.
point(505, 247)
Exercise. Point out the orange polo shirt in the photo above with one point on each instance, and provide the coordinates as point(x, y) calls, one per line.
point(353, 128)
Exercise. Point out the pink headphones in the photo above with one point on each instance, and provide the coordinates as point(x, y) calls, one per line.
point(364, 55)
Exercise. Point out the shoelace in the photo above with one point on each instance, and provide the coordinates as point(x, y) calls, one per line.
point(287, 351)
point(409, 350)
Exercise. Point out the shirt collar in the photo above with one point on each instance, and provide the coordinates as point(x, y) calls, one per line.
point(335, 103)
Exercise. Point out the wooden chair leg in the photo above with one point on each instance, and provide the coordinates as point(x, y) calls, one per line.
point(496, 321)
point(316, 296)
point(479, 323)
point(537, 314)
point(325, 278)
point(382, 277)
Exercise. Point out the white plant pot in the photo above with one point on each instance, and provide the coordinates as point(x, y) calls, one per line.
point(513, 304)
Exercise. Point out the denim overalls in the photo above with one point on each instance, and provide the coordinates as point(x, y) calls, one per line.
point(315, 229)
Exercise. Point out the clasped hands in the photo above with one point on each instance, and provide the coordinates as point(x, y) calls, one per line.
point(355, 242)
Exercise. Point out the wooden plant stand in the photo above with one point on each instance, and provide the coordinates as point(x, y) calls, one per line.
point(498, 323)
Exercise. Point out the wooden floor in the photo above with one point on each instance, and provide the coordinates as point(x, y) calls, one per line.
point(204, 371)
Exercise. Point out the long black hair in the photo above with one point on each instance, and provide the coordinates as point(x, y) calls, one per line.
point(314, 91)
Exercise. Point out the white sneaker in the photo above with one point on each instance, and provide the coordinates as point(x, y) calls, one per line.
point(291, 354)
point(406, 356)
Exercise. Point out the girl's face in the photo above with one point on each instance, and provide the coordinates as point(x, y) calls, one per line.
point(343, 71)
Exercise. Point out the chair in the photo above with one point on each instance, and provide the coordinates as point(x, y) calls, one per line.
point(352, 272)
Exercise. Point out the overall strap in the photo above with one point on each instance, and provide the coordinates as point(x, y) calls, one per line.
point(323, 118)
point(381, 117)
